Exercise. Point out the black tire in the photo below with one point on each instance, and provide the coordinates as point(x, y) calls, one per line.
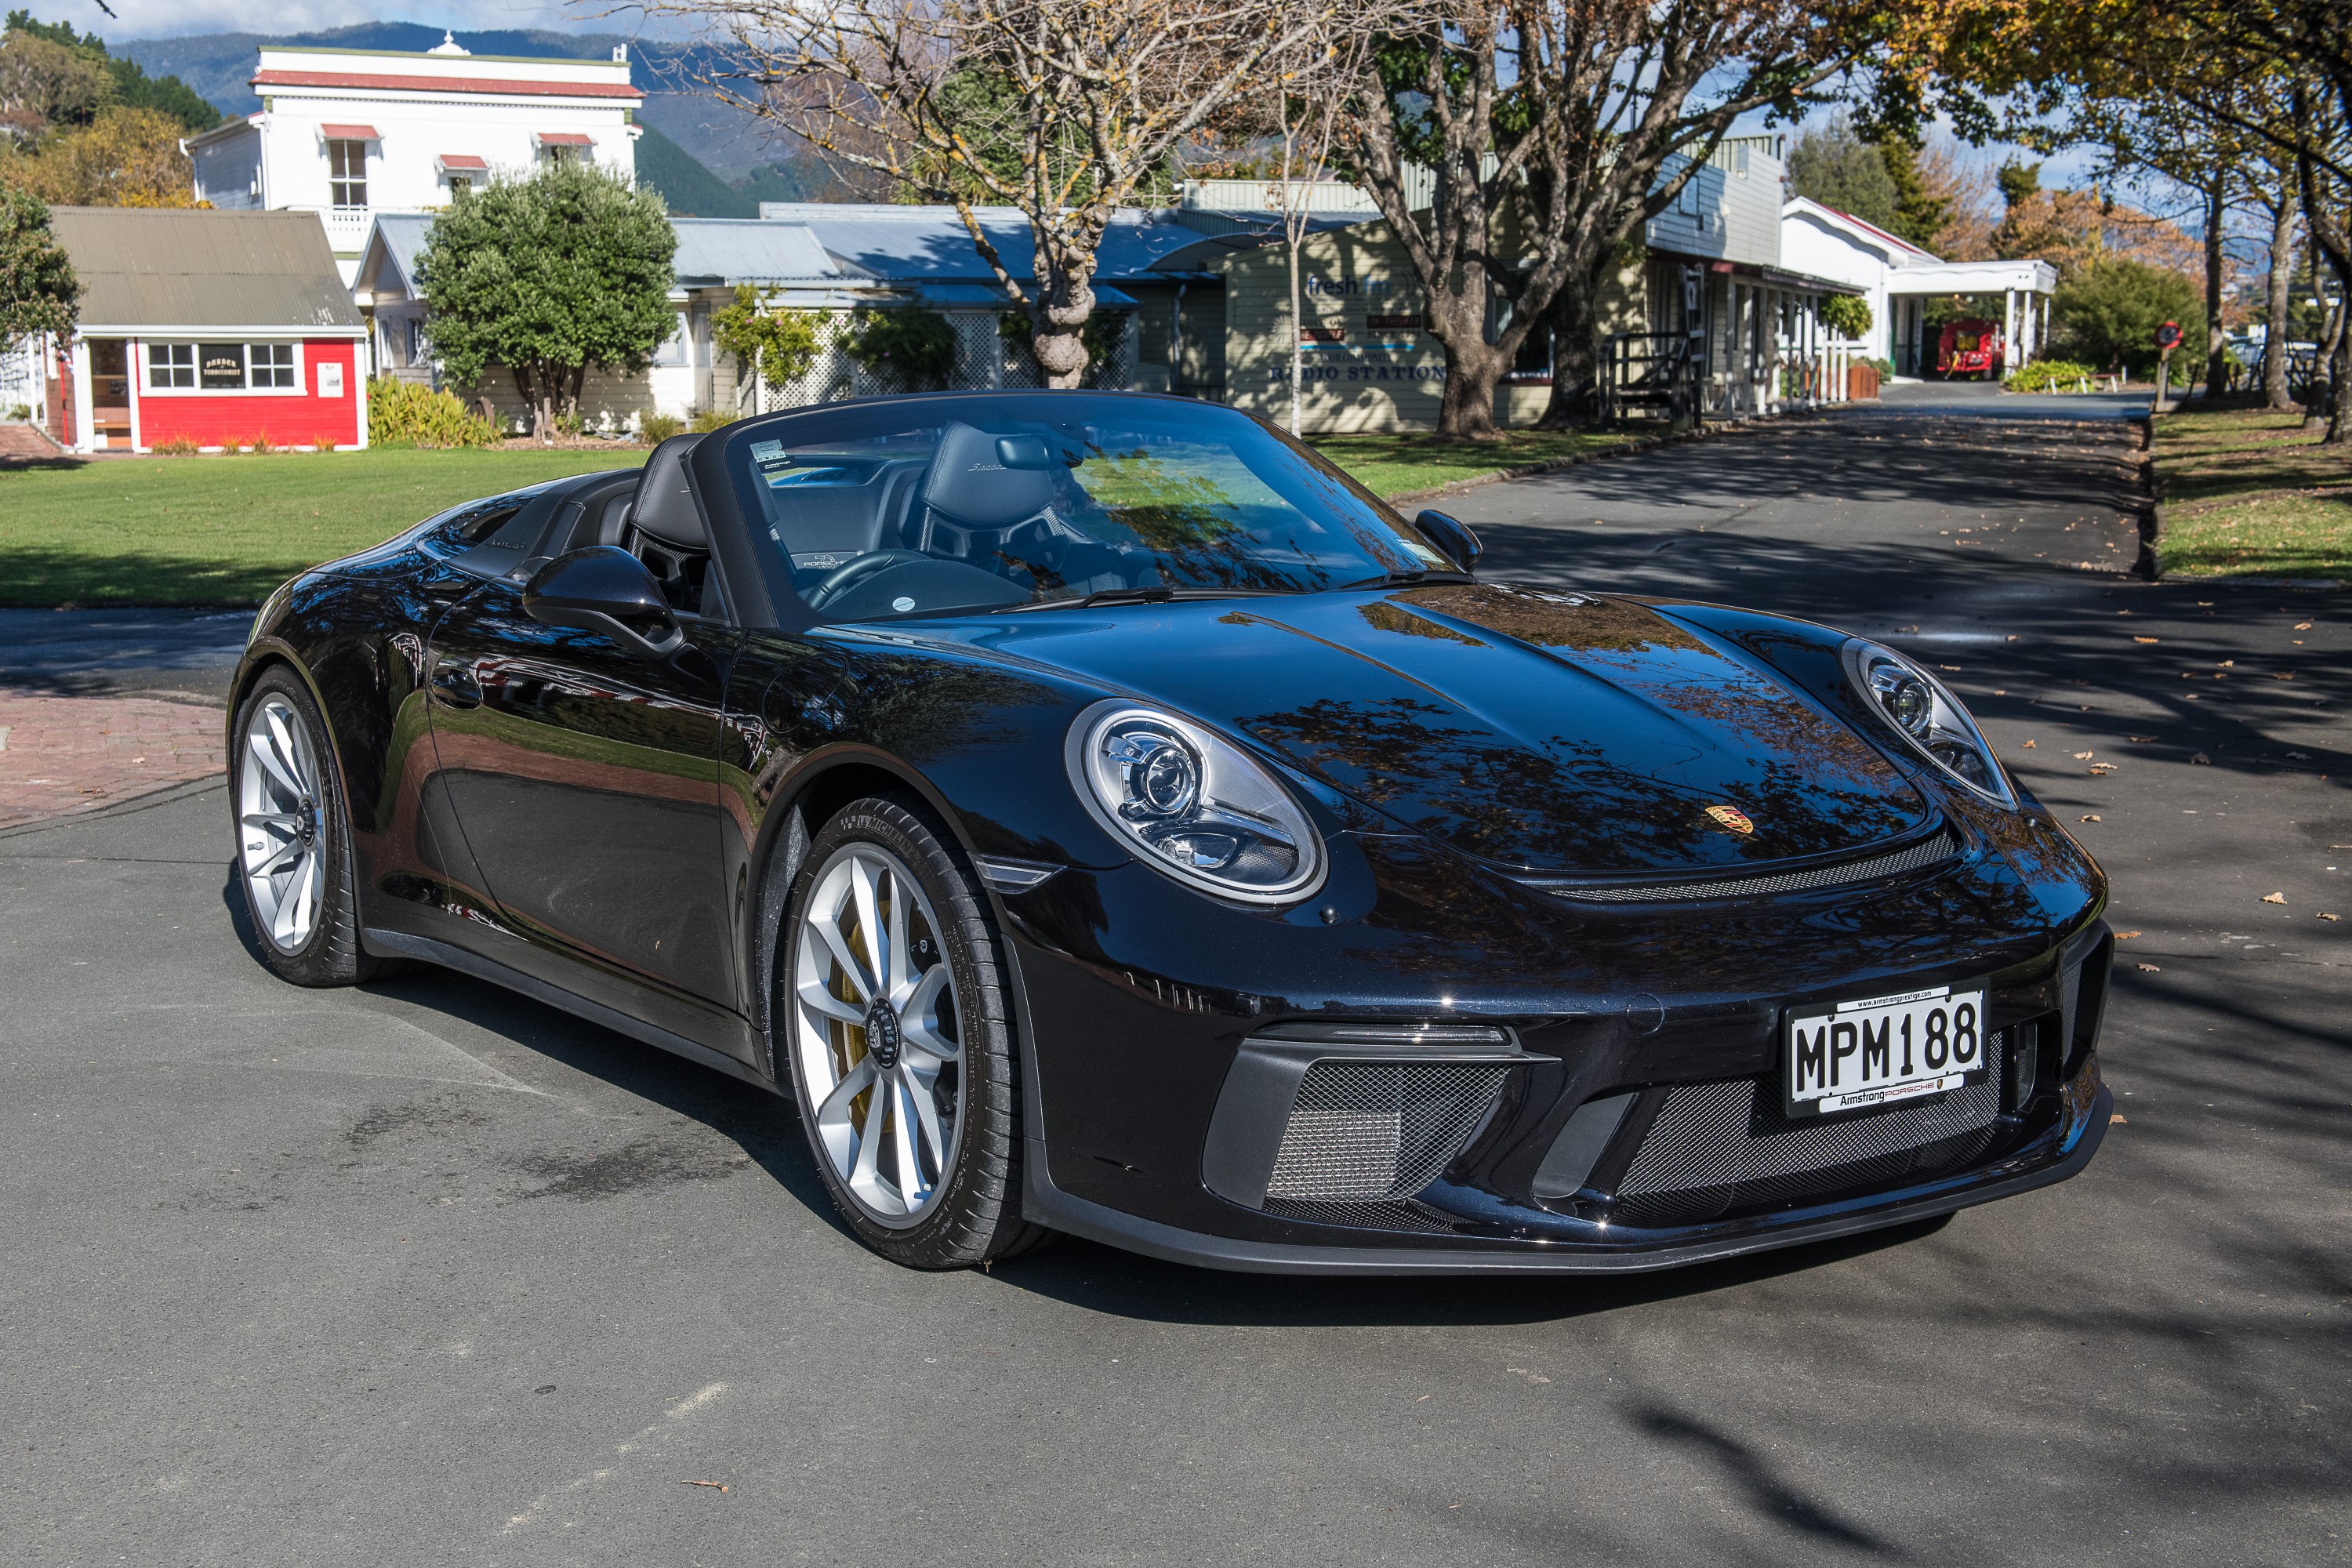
point(973, 1215)
point(329, 953)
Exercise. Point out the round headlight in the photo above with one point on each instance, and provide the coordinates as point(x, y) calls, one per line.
point(1193, 803)
point(1916, 707)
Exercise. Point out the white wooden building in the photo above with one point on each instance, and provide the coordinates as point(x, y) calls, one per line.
point(347, 133)
point(1897, 279)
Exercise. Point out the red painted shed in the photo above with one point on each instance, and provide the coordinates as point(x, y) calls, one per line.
point(210, 327)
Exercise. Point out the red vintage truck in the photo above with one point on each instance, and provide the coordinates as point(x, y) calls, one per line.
point(1972, 348)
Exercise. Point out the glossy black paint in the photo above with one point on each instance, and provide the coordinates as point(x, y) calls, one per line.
point(621, 829)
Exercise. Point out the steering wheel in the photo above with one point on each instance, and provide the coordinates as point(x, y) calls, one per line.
point(842, 578)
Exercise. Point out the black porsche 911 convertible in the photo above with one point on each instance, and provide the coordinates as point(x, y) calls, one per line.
point(1102, 816)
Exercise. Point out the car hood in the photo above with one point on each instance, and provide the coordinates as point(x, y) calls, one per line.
point(1555, 731)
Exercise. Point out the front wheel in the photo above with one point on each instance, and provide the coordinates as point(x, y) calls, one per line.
point(893, 1013)
point(294, 855)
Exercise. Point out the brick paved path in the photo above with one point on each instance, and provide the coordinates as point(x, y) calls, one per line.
point(21, 440)
point(64, 754)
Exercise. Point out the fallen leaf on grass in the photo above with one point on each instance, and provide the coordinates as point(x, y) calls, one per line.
point(712, 1485)
point(2273, 898)
point(2144, 639)
point(2094, 817)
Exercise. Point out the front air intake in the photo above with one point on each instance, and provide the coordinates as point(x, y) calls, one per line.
point(1377, 1131)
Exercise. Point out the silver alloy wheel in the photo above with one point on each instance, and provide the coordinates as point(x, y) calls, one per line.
point(876, 1025)
point(283, 823)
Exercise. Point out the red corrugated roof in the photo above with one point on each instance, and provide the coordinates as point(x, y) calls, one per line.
point(503, 87)
point(349, 132)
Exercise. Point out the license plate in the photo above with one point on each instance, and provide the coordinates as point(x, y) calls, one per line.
point(1859, 1054)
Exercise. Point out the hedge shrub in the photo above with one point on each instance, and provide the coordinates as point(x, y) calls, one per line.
point(404, 414)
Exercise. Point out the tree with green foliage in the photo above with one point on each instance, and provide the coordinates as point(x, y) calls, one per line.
point(550, 276)
point(2107, 314)
point(780, 344)
point(1838, 169)
point(38, 291)
point(907, 347)
point(1848, 315)
point(129, 84)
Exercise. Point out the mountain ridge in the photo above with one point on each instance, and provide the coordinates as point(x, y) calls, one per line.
point(726, 143)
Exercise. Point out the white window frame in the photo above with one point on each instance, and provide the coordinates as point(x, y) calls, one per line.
point(347, 180)
point(302, 368)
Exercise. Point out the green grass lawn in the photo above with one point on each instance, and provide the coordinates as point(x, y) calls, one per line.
point(222, 530)
point(1390, 465)
point(2250, 492)
point(227, 530)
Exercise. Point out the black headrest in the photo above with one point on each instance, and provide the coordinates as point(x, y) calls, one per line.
point(970, 483)
point(665, 506)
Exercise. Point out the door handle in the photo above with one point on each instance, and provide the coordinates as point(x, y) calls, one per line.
point(455, 684)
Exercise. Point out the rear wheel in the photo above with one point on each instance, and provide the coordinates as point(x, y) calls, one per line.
point(893, 1012)
point(294, 861)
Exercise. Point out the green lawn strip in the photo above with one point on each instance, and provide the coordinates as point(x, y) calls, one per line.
point(2265, 536)
point(1396, 464)
point(227, 530)
point(2250, 491)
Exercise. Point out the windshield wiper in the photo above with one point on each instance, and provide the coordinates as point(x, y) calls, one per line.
point(1156, 594)
point(1409, 579)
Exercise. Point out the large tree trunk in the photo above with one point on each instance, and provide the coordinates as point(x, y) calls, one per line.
point(1575, 355)
point(2275, 308)
point(1472, 372)
point(2216, 348)
point(2339, 368)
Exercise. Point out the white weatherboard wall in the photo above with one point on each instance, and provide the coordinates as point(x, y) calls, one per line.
point(419, 121)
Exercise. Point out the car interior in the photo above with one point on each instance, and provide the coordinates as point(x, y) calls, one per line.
point(649, 513)
point(985, 520)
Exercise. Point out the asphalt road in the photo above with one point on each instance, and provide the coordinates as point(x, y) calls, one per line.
point(426, 1273)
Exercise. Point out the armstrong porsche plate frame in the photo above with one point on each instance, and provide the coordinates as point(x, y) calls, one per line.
point(1104, 816)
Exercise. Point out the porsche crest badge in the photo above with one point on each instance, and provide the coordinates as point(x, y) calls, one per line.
point(1731, 819)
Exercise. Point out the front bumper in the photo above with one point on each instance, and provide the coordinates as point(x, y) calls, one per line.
point(2050, 1160)
point(1140, 1138)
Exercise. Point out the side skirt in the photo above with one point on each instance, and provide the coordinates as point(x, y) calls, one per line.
point(392, 943)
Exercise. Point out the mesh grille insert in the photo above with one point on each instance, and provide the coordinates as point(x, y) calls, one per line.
point(1375, 1132)
point(1927, 852)
point(1720, 1145)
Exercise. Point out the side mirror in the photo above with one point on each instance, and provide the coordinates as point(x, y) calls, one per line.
point(1453, 537)
point(606, 590)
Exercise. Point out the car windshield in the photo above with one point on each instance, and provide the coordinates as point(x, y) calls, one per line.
point(914, 508)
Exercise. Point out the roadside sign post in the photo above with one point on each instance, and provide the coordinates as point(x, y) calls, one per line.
point(2167, 338)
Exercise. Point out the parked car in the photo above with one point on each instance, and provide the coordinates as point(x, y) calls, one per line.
point(1972, 348)
point(1101, 816)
